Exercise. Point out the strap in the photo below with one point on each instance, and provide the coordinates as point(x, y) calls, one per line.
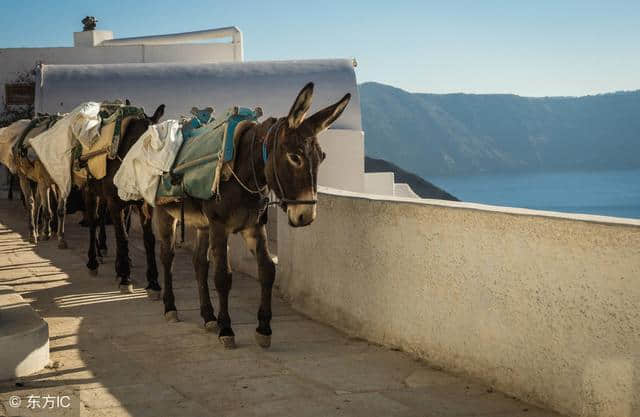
point(182, 221)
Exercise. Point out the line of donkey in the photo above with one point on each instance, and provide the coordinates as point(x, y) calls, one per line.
point(280, 155)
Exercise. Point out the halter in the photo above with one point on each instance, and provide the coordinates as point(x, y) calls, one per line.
point(262, 190)
point(283, 200)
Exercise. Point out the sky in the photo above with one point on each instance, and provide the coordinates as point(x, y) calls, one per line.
point(529, 48)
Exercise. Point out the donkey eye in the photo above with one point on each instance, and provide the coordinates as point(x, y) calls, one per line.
point(294, 159)
point(322, 156)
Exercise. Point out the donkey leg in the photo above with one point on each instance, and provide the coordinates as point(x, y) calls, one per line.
point(201, 267)
point(123, 269)
point(11, 181)
point(99, 221)
point(102, 234)
point(47, 216)
point(54, 209)
point(29, 199)
point(62, 214)
point(218, 248)
point(165, 227)
point(153, 288)
point(128, 218)
point(39, 223)
point(256, 241)
point(90, 202)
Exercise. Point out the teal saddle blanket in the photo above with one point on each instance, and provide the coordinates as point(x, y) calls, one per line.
point(206, 147)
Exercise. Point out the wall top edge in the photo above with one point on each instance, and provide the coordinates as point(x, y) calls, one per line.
point(592, 218)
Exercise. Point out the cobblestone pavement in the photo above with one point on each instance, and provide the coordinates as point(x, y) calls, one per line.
point(114, 354)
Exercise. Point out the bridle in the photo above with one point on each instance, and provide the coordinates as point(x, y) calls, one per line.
point(263, 191)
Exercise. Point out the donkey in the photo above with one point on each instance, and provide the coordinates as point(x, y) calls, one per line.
point(36, 184)
point(103, 192)
point(282, 155)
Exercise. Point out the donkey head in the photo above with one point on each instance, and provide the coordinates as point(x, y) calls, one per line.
point(136, 128)
point(295, 155)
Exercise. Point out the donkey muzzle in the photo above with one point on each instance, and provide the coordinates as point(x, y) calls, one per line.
point(302, 214)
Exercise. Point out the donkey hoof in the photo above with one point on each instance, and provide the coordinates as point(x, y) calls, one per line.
point(153, 295)
point(229, 342)
point(171, 316)
point(46, 237)
point(33, 240)
point(93, 272)
point(263, 340)
point(126, 288)
point(211, 326)
point(62, 244)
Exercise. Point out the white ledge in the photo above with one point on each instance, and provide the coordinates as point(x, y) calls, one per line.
point(177, 38)
point(485, 207)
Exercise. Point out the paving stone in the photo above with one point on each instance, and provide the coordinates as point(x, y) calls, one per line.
point(379, 370)
point(180, 408)
point(249, 392)
point(457, 400)
point(127, 394)
point(425, 377)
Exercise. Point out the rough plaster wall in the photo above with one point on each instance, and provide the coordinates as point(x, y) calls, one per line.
point(547, 309)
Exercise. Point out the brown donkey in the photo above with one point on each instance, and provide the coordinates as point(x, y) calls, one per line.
point(35, 182)
point(103, 192)
point(281, 155)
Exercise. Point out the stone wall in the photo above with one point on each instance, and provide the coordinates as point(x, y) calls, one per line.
point(545, 306)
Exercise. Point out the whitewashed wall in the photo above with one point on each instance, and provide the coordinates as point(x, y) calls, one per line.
point(17, 61)
point(379, 183)
point(541, 305)
point(404, 190)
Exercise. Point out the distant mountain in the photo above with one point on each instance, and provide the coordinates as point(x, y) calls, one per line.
point(458, 134)
point(421, 187)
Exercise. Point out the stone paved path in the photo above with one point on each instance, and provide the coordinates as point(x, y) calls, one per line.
point(114, 354)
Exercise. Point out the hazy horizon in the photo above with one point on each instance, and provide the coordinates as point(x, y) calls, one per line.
point(505, 94)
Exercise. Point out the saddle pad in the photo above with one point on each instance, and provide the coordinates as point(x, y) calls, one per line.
point(115, 118)
point(196, 170)
point(25, 158)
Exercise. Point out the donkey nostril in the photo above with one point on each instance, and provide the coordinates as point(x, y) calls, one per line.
point(300, 219)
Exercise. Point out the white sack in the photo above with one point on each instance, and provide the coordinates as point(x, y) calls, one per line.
point(8, 136)
point(54, 146)
point(151, 156)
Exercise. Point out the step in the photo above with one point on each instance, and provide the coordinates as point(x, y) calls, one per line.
point(24, 337)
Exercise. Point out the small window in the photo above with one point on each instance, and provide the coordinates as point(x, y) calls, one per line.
point(17, 94)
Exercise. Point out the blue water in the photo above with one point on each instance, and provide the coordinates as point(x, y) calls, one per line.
point(609, 193)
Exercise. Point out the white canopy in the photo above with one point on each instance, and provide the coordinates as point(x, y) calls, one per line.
point(272, 85)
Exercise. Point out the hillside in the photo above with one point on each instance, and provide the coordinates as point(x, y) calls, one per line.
point(421, 187)
point(459, 134)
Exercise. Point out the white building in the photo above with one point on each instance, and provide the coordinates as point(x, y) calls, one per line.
point(175, 70)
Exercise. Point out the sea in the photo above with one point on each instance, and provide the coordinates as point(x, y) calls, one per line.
point(608, 193)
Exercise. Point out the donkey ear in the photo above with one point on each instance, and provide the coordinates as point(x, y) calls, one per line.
point(158, 114)
point(300, 107)
point(322, 119)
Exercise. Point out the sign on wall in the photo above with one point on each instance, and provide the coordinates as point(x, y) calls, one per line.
point(19, 94)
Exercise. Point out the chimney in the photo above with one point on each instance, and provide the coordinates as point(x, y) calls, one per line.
point(90, 37)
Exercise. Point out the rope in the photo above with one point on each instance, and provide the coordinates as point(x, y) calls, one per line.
point(257, 191)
